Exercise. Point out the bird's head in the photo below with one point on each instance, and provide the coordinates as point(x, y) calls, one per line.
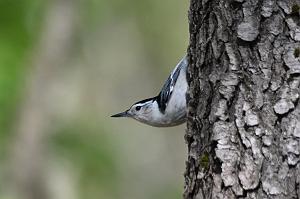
point(141, 111)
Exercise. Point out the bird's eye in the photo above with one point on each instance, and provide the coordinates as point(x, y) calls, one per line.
point(138, 108)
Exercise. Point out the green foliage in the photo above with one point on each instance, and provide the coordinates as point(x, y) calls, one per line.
point(18, 28)
point(168, 193)
point(19, 25)
point(87, 146)
point(152, 19)
point(93, 155)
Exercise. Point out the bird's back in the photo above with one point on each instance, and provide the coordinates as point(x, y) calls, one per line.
point(174, 99)
point(169, 86)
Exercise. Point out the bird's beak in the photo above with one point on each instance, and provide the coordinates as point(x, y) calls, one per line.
point(123, 114)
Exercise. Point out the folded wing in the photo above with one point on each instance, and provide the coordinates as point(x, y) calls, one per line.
point(167, 89)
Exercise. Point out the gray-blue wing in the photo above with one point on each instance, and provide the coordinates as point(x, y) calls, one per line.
point(167, 89)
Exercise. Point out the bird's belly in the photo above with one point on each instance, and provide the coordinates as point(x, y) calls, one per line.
point(168, 123)
point(175, 113)
point(172, 117)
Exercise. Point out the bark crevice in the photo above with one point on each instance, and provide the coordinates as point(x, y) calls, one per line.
point(244, 89)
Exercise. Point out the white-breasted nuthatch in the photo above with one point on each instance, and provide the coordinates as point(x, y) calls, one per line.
point(166, 109)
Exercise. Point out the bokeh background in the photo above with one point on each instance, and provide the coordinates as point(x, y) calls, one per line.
point(65, 67)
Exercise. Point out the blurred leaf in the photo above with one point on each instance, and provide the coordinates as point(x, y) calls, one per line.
point(92, 153)
point(16, 37)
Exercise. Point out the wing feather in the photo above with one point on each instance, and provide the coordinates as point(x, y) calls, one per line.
point(167, 89)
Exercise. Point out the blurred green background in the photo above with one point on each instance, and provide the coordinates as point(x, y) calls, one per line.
point(65, 67)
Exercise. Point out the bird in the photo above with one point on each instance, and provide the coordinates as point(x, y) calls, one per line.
point(168, 108)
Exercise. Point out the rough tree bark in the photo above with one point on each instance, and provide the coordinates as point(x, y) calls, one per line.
point(243, 129)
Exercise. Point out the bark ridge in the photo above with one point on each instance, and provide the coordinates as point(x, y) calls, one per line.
point(243, 129)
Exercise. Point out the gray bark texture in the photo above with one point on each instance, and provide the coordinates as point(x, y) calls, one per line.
point(243, 129)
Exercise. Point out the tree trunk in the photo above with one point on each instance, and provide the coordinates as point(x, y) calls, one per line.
point(243, 129)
